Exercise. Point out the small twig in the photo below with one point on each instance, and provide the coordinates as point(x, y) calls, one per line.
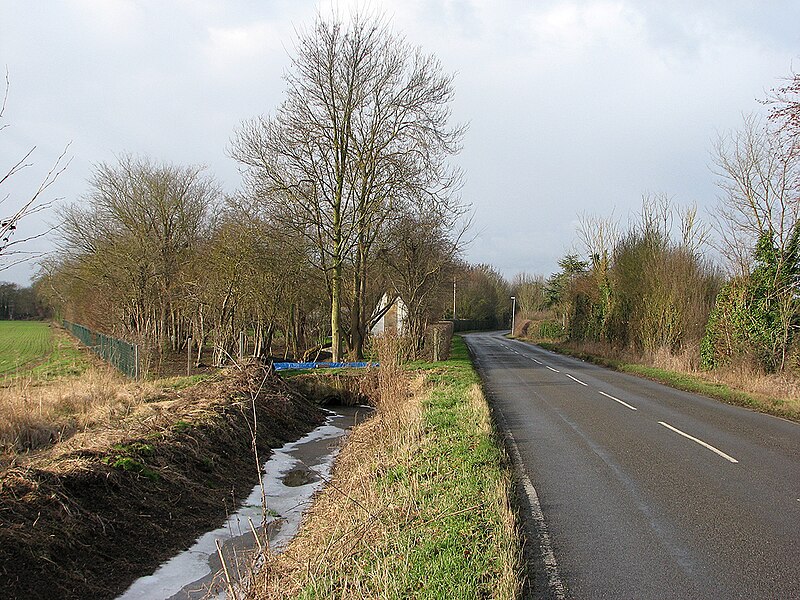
point(231, 589)
point(255, 535)
point(452, 514)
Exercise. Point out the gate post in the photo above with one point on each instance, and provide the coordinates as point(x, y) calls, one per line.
point(136, 361)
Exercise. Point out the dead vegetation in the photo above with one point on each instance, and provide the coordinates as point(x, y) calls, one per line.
point(394, 521)
point(90, 514)
point(36, 415)
point(350, 514)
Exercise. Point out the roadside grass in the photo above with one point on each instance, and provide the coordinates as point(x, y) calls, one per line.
point(419, 503)
point(721, 385)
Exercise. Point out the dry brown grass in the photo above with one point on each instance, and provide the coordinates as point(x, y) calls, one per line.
point(162, 464)
point(785, 388)
point(38, 415)
point(766, 389)
point(363, 535)
point(350, 514)
point(685, 361)
point(743, 376)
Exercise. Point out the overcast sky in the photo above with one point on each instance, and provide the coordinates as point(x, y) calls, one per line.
point(573, 107)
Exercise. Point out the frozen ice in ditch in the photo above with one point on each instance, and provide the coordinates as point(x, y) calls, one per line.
point(305, 464)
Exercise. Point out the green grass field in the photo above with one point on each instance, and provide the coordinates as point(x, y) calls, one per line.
point(23, 343)
point(34, 348)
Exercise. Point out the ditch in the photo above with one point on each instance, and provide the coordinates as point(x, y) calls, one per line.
point(290, 478)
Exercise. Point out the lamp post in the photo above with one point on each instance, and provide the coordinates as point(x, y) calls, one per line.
point(513, 311)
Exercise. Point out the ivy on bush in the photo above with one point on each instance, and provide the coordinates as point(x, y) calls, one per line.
point(754, 317)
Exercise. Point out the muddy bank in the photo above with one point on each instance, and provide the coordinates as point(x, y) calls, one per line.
point(273, 511)
point(345, 388)
point(85, 520)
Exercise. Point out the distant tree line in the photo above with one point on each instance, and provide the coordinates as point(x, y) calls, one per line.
point(18, 302)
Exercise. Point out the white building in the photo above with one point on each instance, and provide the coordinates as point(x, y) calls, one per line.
point(392, 315)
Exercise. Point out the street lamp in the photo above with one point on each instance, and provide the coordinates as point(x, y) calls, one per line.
point(513, 311)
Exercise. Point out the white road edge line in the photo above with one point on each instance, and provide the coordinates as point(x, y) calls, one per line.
point(701, 442)
point(576, 380)
point(552, 369)
point(625, 404)
point(554, 581)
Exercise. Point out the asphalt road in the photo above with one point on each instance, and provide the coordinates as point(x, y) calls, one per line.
point(637, 490)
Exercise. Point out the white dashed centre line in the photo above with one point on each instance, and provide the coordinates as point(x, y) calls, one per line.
point(625, 404)
point(701, 442)
point(552, 369)
point(576, 380)
point(538, 362)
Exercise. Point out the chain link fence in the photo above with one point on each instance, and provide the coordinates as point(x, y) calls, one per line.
point(118, 353)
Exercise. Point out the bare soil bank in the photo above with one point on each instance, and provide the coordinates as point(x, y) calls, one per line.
point(85, 519)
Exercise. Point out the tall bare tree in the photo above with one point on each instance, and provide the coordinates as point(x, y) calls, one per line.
point(362, 135)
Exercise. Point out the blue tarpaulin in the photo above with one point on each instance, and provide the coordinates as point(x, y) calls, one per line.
point(283, 366)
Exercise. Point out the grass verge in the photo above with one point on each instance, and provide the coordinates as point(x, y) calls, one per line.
point(688, 382)
point(419, 504)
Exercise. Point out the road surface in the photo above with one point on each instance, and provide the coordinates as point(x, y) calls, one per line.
point(637, 490)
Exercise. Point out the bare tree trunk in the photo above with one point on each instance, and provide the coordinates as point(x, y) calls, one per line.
point(336, 297)
point(356, 340)
point(199, 335)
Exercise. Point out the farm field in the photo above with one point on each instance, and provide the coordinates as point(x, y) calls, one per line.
point(35, 348)
point(23, 343)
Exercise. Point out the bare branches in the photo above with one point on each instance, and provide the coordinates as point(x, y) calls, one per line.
point(135, 238)
point(758, 176)
point(599, 237)
point(10, 222)
point(361, 139)
point(785, 110)
point(5, 100)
